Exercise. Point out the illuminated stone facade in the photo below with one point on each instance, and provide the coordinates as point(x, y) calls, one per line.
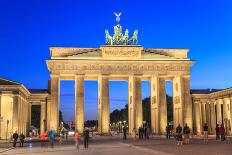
point(135, 64)
point(15, 107)
point(132, 63)
point(212, 107)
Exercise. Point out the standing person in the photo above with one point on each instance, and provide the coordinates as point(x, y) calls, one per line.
point(222, 132)
point(145, 132)
point(139, 132)
point(124, 133)
point(15, 138)
point(142, 132)
point(167, 132)
point(76, 137)
point(217, 132)
point(52, 137)
point(148, 132)
point(205, 128)
point(86, 138)
point(186, 132)
point(21, 138)
point(179, 135)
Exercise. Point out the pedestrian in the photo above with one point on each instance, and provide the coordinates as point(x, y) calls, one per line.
point(186, 132)
point(15, 138)
point(167, 132)
point(148, 132)
point(76, 136)
point(179, 135)
point(134, 134)
point(205, 128)
point(124, 132)
point(222, 132)
point(217, 132)
point(66, 135)
point(21, 138)
point(52, 136)
point(145, 131)
point(139, 132)
point(86, 138)
point(142, 132)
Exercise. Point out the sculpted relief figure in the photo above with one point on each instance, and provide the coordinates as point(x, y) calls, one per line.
point(108, 38)
point(125, 37)
point(118, 37)
point(134, 39)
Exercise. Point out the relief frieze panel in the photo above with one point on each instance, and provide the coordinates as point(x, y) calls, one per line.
point(119, 67)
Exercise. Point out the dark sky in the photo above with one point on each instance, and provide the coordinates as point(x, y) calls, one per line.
point(28, 28)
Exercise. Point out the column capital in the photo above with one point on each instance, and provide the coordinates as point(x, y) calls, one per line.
point(103, 75)
point(219, 100)
point(226, 98)
point(186, 76)
point(54, 75)
point(212, 101)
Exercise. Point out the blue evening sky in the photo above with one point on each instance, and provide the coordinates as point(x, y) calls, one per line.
point(29, 27)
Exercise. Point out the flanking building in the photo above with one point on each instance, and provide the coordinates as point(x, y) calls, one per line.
point(15, 107)
point(212, 106)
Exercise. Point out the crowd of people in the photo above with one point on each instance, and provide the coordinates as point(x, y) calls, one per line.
point(181, 134)
point(185, 132)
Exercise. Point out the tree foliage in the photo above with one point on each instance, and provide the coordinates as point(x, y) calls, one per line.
point(122, 114)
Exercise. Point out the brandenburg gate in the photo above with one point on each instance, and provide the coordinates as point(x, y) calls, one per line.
point(122, 59)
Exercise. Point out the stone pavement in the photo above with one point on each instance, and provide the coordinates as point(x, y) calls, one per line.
point(116, 146)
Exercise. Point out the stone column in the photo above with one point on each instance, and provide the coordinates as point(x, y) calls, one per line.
point(154, 104)
point(1, 116)
point(203, 114)
point(19, 115)
point(162, 106)
point(230, 115)
point(178, 101)
point(131, 104)
point(225, 108)
point(212, 117)
point(135, 113)
point(187, 101)
point(55, 102)
point(48, 118)
point(198, 120)
point(138, 103)
point(79, 103)
point(29, 115)
point(219, 113)
point(207, 112)
point(103, 105)
point(225, 114)
point(15, 118)
point(42, 117)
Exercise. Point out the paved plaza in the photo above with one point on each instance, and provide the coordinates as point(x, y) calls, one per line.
point(115, 145)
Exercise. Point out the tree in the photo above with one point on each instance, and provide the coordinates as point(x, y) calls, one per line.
point(122, 114)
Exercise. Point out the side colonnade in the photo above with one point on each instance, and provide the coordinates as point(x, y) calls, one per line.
point(213, 108)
